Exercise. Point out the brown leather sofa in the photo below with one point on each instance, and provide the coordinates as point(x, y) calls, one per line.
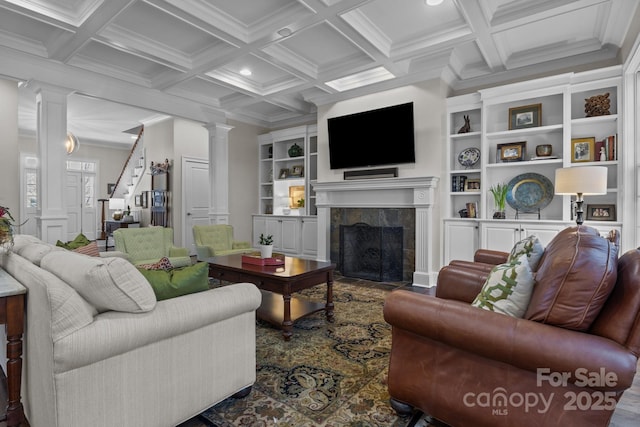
point(566, 363)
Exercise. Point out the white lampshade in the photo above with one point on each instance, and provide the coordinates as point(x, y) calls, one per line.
point(585, 180)
point(116, 204)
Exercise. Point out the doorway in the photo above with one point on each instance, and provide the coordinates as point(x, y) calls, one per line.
point(81, 199)
point(196, 190)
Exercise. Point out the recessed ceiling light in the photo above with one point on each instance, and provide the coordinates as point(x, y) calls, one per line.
point(433, 2)
point(285, 32)
point(245, 72)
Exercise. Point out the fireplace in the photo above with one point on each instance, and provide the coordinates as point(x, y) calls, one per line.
point(373, 253)
point(388, 197)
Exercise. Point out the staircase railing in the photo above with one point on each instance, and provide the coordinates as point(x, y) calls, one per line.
point(132, 170)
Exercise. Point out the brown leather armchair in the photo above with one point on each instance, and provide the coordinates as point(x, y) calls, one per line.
point(467, 366)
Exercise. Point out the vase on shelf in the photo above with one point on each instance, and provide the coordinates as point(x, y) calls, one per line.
point(295, 151)
point(499, 193)
point(499, 215)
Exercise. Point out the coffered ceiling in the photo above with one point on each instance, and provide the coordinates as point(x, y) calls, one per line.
point(190, 58)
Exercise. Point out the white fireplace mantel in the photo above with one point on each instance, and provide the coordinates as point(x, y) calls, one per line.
point(415, 192)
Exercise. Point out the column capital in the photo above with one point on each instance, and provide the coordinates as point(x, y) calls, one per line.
point(215, 127)
point(39, 87)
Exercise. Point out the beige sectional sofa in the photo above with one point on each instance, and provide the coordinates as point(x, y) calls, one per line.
point(99, 350)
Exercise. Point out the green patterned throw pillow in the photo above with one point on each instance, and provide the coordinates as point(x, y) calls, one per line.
point(530, 246)
point(508, 288)
point(179, 281)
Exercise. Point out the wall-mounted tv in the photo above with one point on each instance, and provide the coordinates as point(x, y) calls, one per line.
point(377, 137)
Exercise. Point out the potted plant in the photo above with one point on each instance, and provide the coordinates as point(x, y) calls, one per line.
point(266, 245)
point(499, 192)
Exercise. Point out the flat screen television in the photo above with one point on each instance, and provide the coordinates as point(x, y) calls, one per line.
point(371, 138)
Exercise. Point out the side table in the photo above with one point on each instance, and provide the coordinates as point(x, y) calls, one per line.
point(12, 316)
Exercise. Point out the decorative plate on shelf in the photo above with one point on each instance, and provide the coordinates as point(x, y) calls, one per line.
point(469, 157)
point(529, 192)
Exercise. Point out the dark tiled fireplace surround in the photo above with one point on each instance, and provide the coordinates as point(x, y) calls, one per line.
point(377, 217)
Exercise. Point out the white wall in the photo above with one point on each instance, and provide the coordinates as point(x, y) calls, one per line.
point(429, 104)
point(10, 158)
point(243, 177)
point(177, 138)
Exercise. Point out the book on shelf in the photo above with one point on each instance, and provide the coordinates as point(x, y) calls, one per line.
point(606, 149)
point(457, 183)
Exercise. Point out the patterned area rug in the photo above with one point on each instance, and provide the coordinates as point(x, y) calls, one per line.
point(328, 374)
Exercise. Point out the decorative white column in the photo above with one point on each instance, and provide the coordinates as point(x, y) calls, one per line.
point(423, 199)
point(51, 104)
point(219, 172)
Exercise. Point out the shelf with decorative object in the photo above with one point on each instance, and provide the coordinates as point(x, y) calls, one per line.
point(528, 130)
point(287, 158)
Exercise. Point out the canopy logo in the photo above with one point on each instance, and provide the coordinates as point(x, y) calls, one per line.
point(499, 400)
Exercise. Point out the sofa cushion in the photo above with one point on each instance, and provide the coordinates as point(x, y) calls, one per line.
point(106, 283)
point(179, 281)
point(575, 277)
point(508, 288)
point(34, 252)
point(91, 249)
point(530, 246)
point(66, 312)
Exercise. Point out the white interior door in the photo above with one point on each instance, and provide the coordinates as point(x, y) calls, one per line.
point(196, 198)
point(74, 204)
point(81, 200)
point(29, 194)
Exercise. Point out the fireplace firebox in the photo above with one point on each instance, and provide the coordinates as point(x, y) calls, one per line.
point(371, 252)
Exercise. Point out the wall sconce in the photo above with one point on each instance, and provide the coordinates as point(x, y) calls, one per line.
point(581, 181)
point(71, 144)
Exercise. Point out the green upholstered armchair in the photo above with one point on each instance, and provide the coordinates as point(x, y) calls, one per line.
point(215, 240)
point(148, 244)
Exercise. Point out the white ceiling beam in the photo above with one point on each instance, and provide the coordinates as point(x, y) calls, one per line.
point(472, 13)
point(67, 45)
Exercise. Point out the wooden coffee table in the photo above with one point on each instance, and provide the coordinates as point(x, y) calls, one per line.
point(293, 276)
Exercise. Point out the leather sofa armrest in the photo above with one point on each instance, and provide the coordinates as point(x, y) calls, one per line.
point(458, 283)
point(175, 251)
point(241, 245)
point(521, 343)
point(489, 256)
point(480, 266)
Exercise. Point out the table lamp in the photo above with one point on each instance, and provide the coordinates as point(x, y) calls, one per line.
point(581, 181)
point(118, 206)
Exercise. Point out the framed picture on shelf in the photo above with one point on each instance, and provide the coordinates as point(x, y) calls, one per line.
point(601, 212)
point(582, 149)
point(297, 170)
point(284, 173)
point(512, 151)
point(527, 116)
point(472, 185)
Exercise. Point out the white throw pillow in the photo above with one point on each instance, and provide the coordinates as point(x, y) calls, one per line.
point(530, 246)
point(106, 283)
point(508, 288)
